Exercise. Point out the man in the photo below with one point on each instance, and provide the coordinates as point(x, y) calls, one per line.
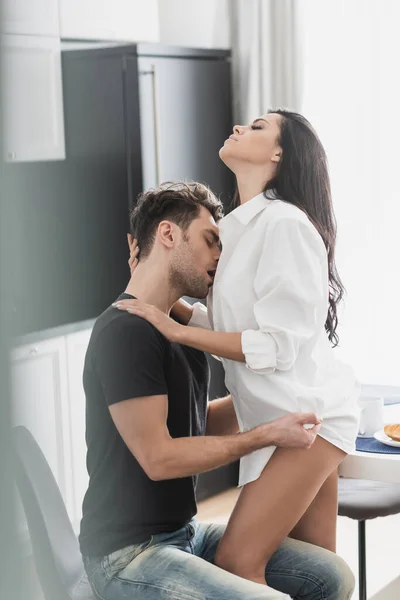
point(150, 431)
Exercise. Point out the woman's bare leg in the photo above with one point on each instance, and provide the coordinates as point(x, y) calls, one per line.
point(269, 508)
point(318, 524)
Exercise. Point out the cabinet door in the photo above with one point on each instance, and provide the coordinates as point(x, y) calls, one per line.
point(30, 17)
point(33, 120)
point(185, 113)
point(77, 344)
point(120, 20)
point(40, 403)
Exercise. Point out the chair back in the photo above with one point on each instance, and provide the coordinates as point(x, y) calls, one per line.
point(55, 547)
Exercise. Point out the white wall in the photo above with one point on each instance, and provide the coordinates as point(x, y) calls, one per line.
point(351, 94)
point(196, 23)
point(119, 20)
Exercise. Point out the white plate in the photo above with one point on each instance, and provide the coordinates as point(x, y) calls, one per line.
point(385, 439)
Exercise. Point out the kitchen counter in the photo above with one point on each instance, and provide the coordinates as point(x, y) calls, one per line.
point(53, 332)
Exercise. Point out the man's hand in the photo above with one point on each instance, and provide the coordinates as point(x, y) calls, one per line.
point(289, 431)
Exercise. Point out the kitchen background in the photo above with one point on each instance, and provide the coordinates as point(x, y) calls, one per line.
point(101, 99)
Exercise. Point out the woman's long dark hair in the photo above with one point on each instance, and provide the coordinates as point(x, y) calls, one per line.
point(302, 179)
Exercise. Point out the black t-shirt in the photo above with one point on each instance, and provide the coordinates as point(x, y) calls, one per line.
point(128, 358)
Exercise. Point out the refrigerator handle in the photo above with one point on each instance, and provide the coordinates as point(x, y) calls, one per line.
point(156, 124)
point(153, 74)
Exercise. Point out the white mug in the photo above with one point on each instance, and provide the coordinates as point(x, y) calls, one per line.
point(371, 415)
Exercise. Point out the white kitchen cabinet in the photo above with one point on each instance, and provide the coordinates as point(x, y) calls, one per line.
point(30, 17)
point(77, 344)
point(114, 20)
point(48, 399)
point(40, 403)
point(33, 116)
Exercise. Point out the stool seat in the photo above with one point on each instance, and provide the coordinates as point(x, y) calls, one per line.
point(362, 499)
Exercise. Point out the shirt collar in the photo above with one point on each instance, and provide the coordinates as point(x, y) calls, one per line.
point(247, 211)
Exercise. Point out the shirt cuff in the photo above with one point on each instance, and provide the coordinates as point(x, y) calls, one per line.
point(259, 350)
point(199, 317)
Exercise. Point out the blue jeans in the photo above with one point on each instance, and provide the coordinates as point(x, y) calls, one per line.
point(179, 566)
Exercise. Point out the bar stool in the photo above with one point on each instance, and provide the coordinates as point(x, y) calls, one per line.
point(361, 500)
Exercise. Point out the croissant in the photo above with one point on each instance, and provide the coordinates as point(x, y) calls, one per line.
point(393, 431)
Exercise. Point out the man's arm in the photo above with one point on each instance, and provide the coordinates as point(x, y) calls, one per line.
point(142, 423)
point(221, 417)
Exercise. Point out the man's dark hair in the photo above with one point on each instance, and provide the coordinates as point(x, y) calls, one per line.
point(178, 202)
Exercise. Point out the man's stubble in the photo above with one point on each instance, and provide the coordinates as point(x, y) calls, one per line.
point(183, 275)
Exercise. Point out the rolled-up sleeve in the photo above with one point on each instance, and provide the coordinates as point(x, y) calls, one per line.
point(199, 317)
point(291, 286)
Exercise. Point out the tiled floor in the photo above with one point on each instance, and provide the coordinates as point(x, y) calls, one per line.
point(383, 540)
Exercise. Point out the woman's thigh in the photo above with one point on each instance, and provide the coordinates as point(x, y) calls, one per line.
point(270, 507)
point(318, 524)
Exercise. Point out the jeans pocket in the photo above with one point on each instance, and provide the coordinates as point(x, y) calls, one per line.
point(192, 530)
point(118, 560)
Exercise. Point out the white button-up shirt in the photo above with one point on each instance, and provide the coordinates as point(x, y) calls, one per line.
point(272, 286)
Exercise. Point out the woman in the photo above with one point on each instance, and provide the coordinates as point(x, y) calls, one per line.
point(277, 287)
